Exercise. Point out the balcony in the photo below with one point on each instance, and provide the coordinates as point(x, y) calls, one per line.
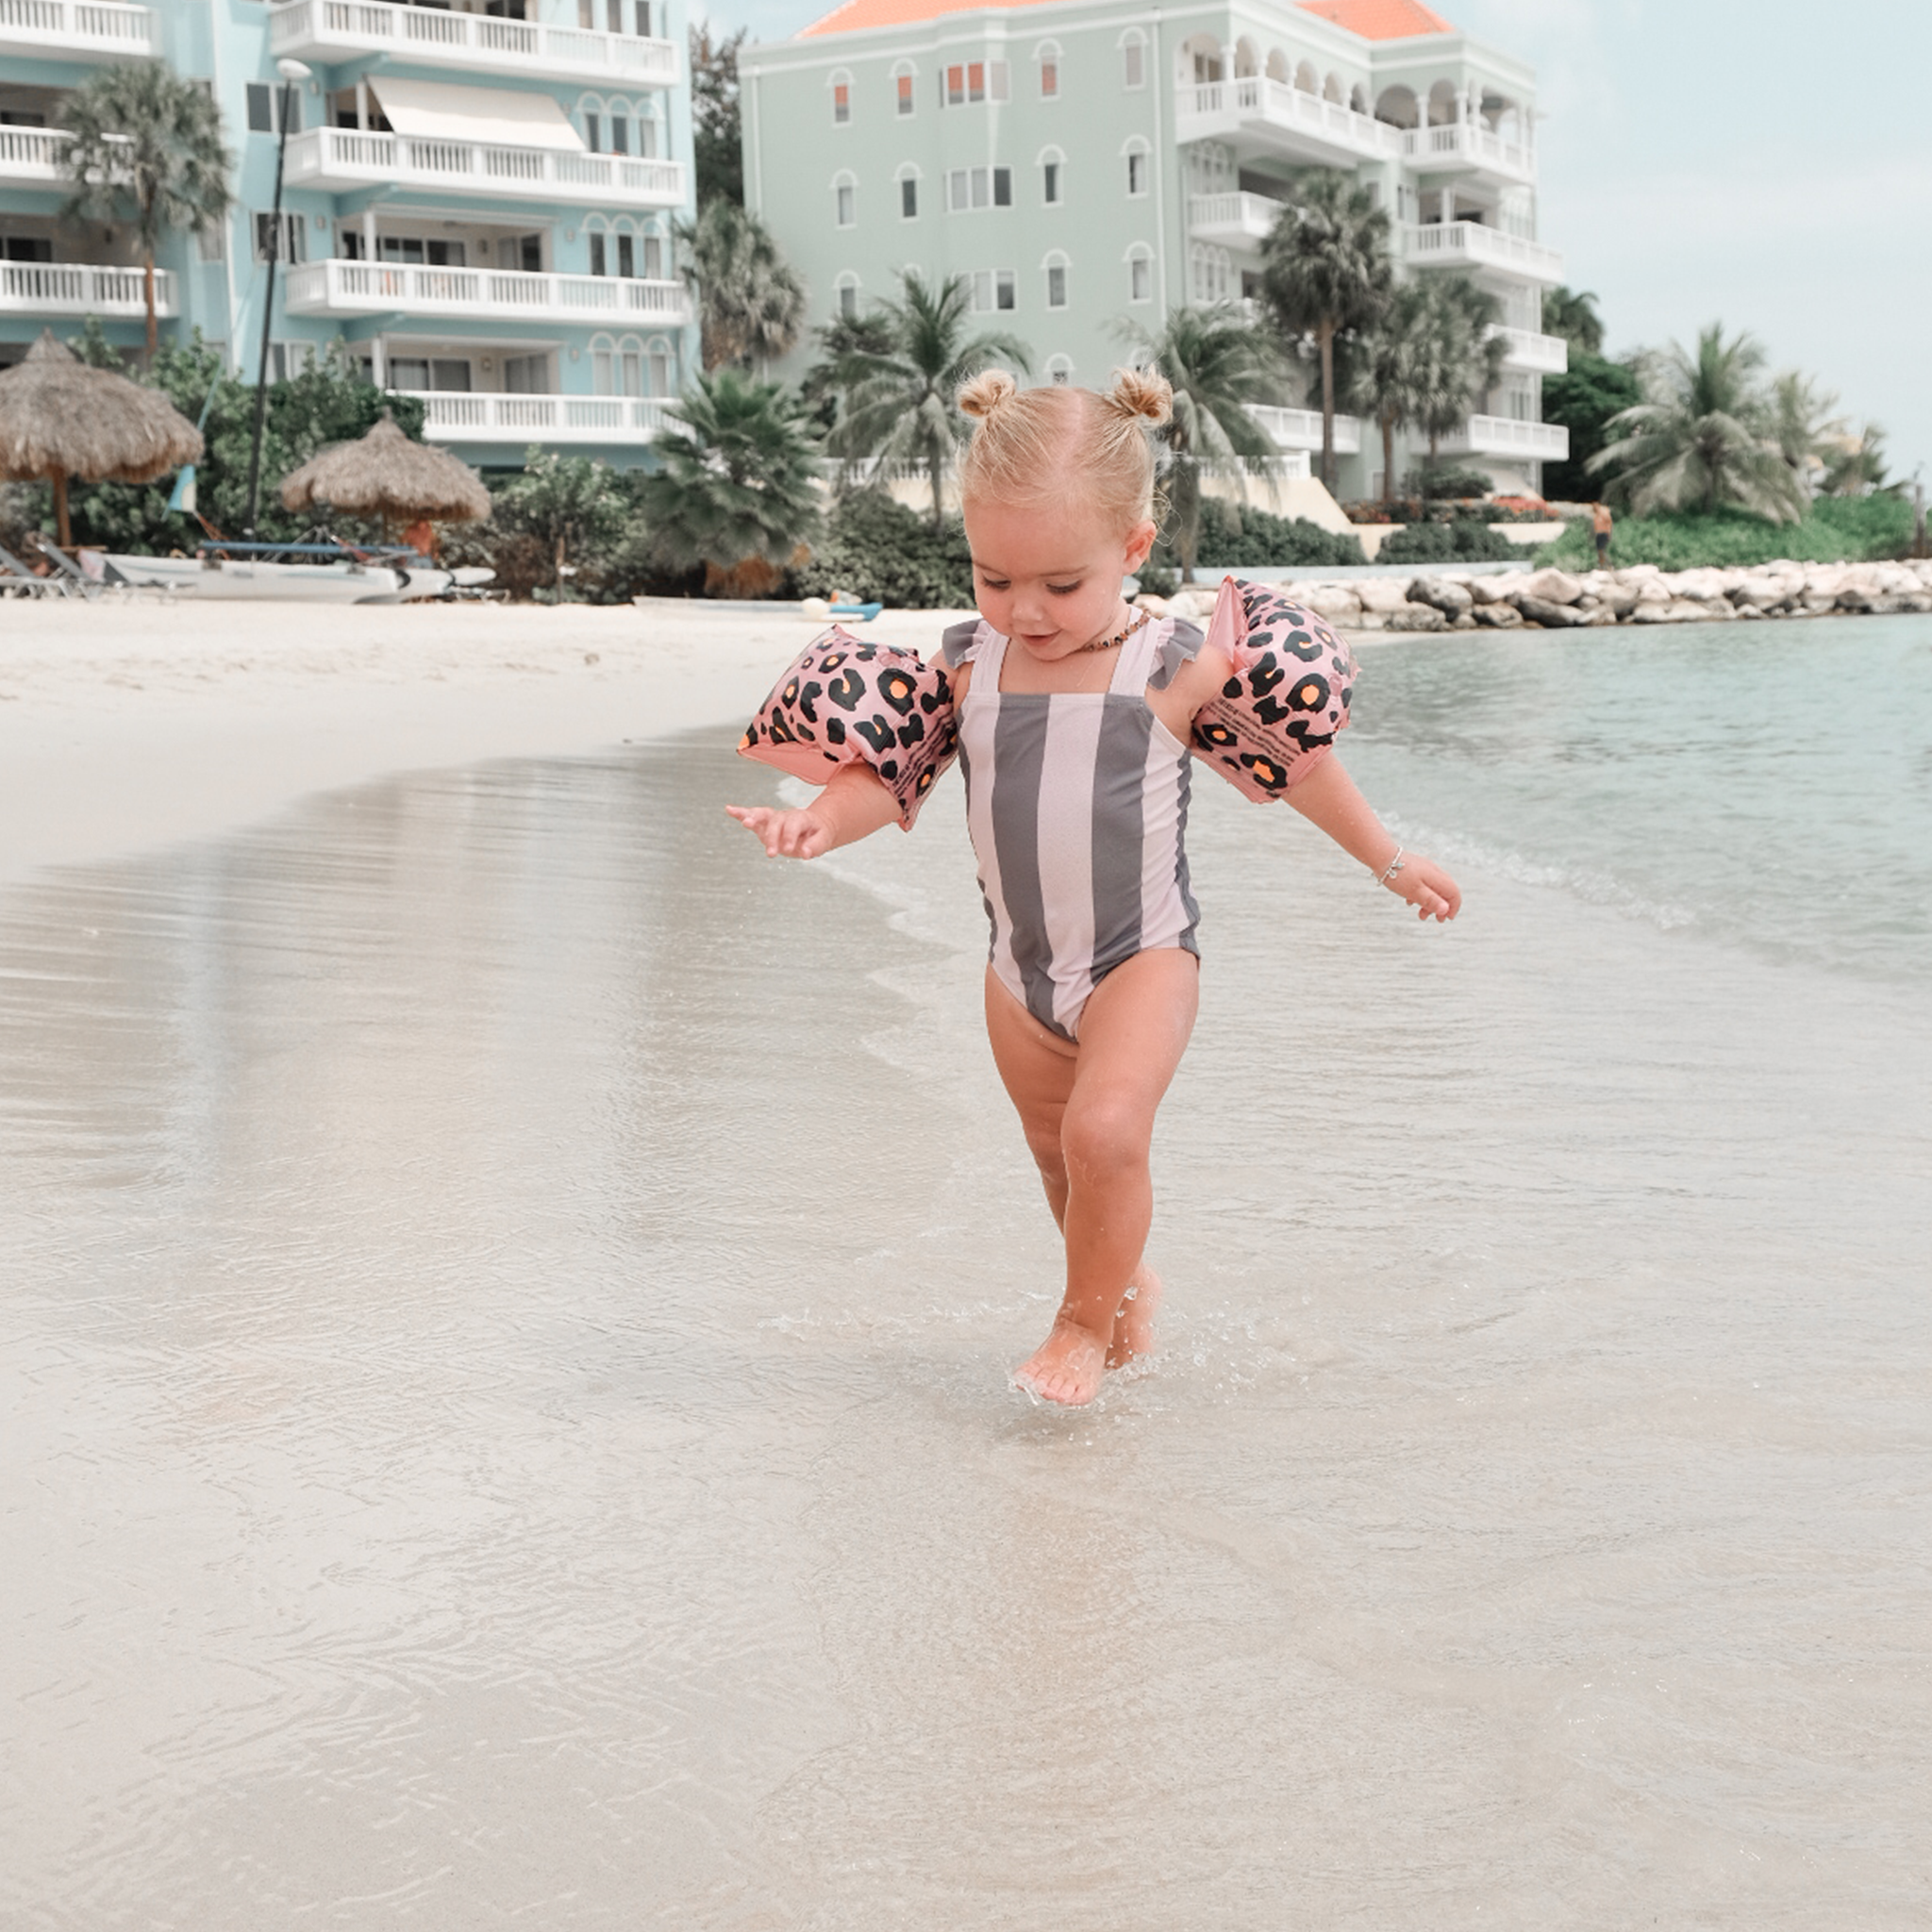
point(1503, 436)
point(1282, 119)
point(1538, 355)
point(334, 31)
point(1236, 221)
point(383, 288)
point(1301, 429)
point(1461, 149)
point(73, 288)
point(472, 416)
point(76, 30)
point(1473, 244)
point(340, 159)
point(30, 157)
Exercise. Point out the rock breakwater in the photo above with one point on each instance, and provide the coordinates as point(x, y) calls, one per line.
point(1562, 600)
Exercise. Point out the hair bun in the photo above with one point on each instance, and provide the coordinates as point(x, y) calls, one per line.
point(987, 392)
point(1144, 393)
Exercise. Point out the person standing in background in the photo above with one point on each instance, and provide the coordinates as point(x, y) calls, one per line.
point(1602, 521)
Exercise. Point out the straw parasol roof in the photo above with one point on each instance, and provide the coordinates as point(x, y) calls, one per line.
point(385, 475)
point(60, 417)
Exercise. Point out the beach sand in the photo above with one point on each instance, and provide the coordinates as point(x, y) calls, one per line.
point(127, 724)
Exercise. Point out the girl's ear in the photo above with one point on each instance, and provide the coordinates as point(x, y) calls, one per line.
point(1140, 542)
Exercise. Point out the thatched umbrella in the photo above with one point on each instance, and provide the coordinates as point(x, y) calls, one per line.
point(386, 475)
point(59, 418)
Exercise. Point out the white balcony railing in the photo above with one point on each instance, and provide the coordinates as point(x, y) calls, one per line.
point(1300, 123)
point(1503, 435)
point(1461, 145)
point(75, 29)
point(384, 288)
point(32, 154)
point(1302, 428)
point(338, 30)
point(74, 288)
point(1473, 244)
point(472, 416)
point(1525, 349)
point(342, 160)
point(1237, 218)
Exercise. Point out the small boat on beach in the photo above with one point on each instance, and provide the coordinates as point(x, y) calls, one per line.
point(320, 575)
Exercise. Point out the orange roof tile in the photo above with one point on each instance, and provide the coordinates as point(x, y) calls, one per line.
point(856, 15)
point(1380, 20)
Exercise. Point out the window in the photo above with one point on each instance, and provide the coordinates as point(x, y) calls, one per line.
point(909, 197)
point(1140, 276)
point(970, 82)
point(902, 87)
point(264, 104)
point(660, 364)
point(1060, 370)
point(627, 257)
point(526, 375)
point(845, 199)
point(848, 297)
point(969, 188)
point(1137, 171)
point(1049, 58)
point(633, 373)
point(291, 250)
point(619, 135)
point(1055, 281)
point(1134, 61)
point(1051, 178)
point(594, 137)
point(654, 257)
point(841, 99)
point(597, 267)
point(993, 289)
point(603, 372)
point(210, 244)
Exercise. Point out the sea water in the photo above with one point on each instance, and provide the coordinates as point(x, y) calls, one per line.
point(505, 1295)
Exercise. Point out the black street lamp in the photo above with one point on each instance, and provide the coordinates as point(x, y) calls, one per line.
point(292, 71)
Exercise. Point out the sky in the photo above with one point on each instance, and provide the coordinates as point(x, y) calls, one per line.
point(1761, 163)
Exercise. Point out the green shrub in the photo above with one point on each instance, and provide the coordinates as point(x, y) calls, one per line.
point(1462, 539)
point(1444, 481)
point(1836, 529)
point(1583, 399)
point(1233, 537)
point(877, 548)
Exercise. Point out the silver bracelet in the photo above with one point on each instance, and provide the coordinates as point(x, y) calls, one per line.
point(1396, 865)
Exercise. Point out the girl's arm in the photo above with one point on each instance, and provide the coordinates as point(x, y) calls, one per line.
point(854, 805)
point(1328, 800)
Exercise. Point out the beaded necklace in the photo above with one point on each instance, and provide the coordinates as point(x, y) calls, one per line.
point(1120, 636)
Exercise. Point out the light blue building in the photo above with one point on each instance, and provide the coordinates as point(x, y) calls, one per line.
point(479, 198)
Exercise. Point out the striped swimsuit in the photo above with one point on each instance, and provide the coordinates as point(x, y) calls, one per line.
point(1077, 805)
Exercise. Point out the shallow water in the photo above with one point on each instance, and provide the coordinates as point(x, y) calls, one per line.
point(505, 1298)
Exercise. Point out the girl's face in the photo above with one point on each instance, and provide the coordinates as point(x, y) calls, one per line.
point(1048, 575)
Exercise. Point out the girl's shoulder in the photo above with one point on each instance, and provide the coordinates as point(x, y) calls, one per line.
point(960, 643)
point(1176, 646)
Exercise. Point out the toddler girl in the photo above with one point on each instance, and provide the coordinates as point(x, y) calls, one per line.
point(1072, 715)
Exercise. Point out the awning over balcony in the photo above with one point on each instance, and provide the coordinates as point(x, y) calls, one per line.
point(433, 110)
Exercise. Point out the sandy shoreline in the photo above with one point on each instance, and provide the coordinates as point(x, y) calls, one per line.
point(129, 725)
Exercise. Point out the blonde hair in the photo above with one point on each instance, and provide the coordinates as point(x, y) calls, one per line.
point(1029, 445)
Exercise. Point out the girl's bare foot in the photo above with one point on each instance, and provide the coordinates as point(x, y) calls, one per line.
point(1133, 1328)
point(1066, 1367)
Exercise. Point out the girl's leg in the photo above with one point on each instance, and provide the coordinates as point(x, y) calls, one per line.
point(1087, 1114)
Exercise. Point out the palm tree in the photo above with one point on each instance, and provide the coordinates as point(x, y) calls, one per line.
point(1217, 365)
point(1325, 269)
point(1802, 425)
point(751, 303)
point(145, 146)
point(1456, 354)
point(897, 405)
point(1856, 464)
point(1572, 313)
point(1382, 370)
point(736, 491)
point(1702, 435)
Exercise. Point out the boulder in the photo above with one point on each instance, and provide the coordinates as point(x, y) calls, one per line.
point(1553, 587)
point(1381, 594)
point(1467, 621)
point(1417, 617)
point(1336, 603)
point(1650, 590)
point(1551, 616)
point(1762, 591)
point(1694, 610)
point(1651, 613)
point(1193, 605)
point(1620, 600)
point(1452, 600)
point(1597, 614)
point(1156, 607)
point(1895, 579)
point(1497, 616)
point(1498, 589)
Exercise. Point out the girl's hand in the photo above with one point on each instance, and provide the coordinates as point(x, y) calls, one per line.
point(1426, 887)
point(785, 834)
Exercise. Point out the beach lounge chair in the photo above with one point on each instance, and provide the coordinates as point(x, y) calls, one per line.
point(17, 580)
point(79, 583)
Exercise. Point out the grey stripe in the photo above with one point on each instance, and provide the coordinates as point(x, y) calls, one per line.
point(966, 774)
point(1182, 644)
point(957, 640)
point(1019, 757)
point(1120, 817)
point(1180, 856)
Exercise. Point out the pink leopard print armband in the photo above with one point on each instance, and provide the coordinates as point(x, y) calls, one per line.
point(1274, 720)
point(844, 702)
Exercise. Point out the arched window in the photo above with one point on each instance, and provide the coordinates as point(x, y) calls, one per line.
point(1046, 58)
point(1052, 177)
point(1331, 89)
point(1246, 65)
point(1133, 45)
point(659, 361)
point(1359, 99)
point(1140, 162)
point(908, 192)
point(840, 85)
point(846, 297)
point(1056, 266)
point(1060, 370)
point(656, 255)
point(1277, 65)
point(592, 117)
point(844, 199)
point(597, 243)
point(904, 74)
point(1442, 104)
point(1397, 107)
point(603, 365)
point(1140, 272)
point(1304, 79)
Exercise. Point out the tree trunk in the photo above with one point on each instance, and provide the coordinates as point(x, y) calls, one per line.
point(1326, 335)
point(1187, 505)
point(1388, 455)
point(149, 290)
point(59, 482)
point(557, 572)
point(936, 467)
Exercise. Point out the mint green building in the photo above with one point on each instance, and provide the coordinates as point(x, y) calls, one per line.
point(1085, 162)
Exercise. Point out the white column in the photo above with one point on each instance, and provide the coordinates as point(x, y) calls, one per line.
point(369, 234)
point(379, 362)
point(1446, 200)
point(1227, 60)
point(362, 104)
